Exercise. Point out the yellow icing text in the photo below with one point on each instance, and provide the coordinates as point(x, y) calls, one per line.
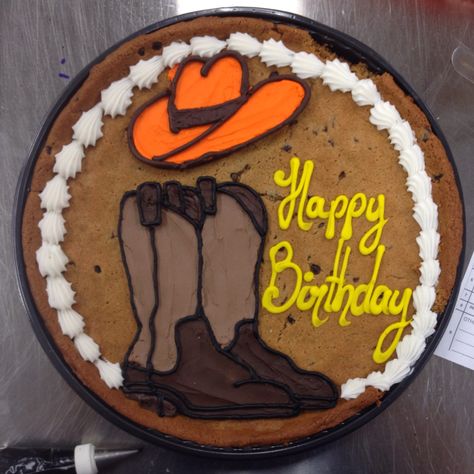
point(334, 294)
point(306, 209)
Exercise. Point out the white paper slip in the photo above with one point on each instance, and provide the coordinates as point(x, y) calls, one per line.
point(457, 343)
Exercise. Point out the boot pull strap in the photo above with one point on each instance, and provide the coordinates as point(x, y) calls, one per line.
point(207, 188)
point(173, 195)
point(149, 203)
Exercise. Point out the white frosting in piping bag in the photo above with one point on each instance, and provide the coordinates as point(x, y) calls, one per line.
point(338, 77)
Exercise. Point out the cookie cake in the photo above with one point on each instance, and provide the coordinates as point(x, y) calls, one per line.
point(235, 237)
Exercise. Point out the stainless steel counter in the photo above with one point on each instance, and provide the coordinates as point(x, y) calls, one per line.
point(430, 428)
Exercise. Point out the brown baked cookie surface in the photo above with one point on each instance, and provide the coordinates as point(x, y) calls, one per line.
point(349, 155)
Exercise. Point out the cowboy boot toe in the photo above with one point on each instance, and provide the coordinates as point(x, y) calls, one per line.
point(311, 389)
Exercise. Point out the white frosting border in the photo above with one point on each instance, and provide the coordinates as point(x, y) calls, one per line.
point(338, 77)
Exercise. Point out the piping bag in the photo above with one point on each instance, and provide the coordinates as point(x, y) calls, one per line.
point(84, 459)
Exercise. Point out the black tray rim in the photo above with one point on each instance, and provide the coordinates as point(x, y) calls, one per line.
point(353, 51)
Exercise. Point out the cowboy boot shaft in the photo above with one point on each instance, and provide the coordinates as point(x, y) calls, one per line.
point(230, 253)
point(176, 246)
point(139, 261)
point(160, 249)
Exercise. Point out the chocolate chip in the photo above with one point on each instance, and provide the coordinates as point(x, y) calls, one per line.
point(355, 279)
point(97, 269)
point(235, 176)
point(141, 51)
point(426, 136)
point(331, 142)
point(156, 45)
point(342, 175)
point(325, 128)
point(356, 140)
point(48, 149)
point(437, 177)
point(291, 319)
point(321, 225)
point(316, 269)
point(286, 147)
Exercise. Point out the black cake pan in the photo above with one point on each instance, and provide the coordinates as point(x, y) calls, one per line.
point(345, 46)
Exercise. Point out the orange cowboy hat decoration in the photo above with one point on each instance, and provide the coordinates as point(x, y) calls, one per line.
point(210, 111)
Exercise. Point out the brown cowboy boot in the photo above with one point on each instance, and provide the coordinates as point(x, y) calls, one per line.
point(174, 361)
point(233, 237)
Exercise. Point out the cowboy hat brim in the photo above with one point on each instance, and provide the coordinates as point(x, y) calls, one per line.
point(267, 107)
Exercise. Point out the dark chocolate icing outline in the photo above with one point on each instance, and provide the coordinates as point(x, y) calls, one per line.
point(160, 160)
point(164, 392)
